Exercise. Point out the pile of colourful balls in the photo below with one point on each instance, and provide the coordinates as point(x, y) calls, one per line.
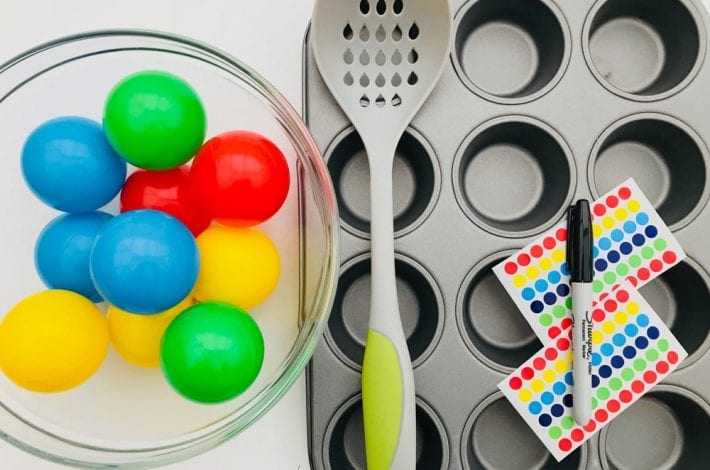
point(179, 267)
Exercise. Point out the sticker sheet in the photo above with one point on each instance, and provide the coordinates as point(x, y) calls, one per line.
point(631, 244)
point(634, 350)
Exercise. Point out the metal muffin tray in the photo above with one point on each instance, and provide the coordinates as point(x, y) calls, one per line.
point(541, 103)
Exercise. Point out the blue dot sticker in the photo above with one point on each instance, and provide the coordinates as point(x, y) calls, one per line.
point(547, 398)
point(550, 298)
point(642, 218)
point(642, 320)
point(568, 378)
point(638, 239)
point(626, 248)
point(641, 342)
point(617, 235)
point(651, 231)
point(604, 243)
point(564, 269)
point(618, 339)
point(617, 362)
point(613, 256)
point(534, 407)
point(568, 400)
point(545, 420)
point(600, 265)
point(528, 294)
point(563, 290)
point(557, 410)
point(595, 381)
point(595, 252)
point(653, 332)
point(541, 285)
point(559, 388)
point(554, 277)
point(607, 349)
point(631, 330)
point(537, 306)
point(605, 371)
point(596, 359)
point(629, 227)
point(629, 352)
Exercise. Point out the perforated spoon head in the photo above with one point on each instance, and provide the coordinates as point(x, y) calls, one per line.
point(381, 58)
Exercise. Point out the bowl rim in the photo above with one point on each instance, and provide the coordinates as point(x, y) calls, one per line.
point(311, 328)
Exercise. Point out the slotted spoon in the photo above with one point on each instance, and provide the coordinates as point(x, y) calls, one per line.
point(381, 59)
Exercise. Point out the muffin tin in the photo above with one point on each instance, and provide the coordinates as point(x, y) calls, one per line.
point(541, 103)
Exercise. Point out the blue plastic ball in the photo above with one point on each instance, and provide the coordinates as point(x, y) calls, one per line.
point(63, 250)
point(144, 262)
point(69, 165)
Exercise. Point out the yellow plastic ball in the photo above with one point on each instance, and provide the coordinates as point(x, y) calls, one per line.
point(137, 338)
point(237, 265)
point(52, 341)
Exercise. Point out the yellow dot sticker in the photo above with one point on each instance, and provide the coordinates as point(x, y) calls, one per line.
point(597, 230)
point(558, 256)
point(545, 264)
point(608, 327)
point(537, 385)
point(597, 337)
point(561, 366)
point(608, 222)
point(568, 357)
point(632, 308)
point(621, 318)
point(532, 272)
point(519, 281)
point(525, 395)
point(621, 214)
point(549, 376)
point(634, 205)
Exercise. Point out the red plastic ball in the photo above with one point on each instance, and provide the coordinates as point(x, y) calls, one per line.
point(166, 191)
point(240, 178)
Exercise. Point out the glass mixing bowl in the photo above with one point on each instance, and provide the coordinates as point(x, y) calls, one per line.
point(124, 415)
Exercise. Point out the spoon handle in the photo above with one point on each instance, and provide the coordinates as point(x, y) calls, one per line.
point(387, 378)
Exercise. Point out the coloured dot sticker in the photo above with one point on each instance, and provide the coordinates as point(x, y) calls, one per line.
point(635, 351)
point(632, 244)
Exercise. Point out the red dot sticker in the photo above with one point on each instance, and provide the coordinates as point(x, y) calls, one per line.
point(598, 315)
point(515, 383)
point(511, 268)
point(551, 354)
point(536, 251)
point(563, 344)
point(656, 266)
point(622, 296)
point(591, 426)
point(637, 386)
point(549, 243)
point(599, 210)
point(566, 323)
point(561, 234)
point(527, 373)
point(662, 367)
point(625, 396)
point(650, 377)
point(673, 357)
point(610, 306)
point(633, 281)
point(613, 406)
point(601, 415)
point(624, 193)
point(539, 363)
point(523, 260)
point(554, 332)
point(612, 201)
point(644, 274)
point(565, 445)
point(669, 257)
point(577, 435)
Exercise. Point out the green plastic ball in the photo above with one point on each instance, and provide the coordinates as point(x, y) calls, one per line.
point(212, 352)
point(155, 120)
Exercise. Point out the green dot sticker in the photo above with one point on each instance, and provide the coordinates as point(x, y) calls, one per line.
point(660, 244)
point(568, 302)
point(555, 432)
point(559, 311)
point(639, 365)
point(622, 269)
point(597, 286)
point(627, 374)
point(546, 319)
point(663, 345)
point(652, 355)
point(610, 278)
point(567, 422)
point(595, 403)
point(603, 393)
point(635, 261)
point(647, 252)
point(615, 384)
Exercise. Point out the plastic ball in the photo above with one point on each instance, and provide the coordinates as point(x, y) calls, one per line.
point(70, 166)
point(166, 191)
point(144, 262)
point(240, 178)
point(237, 265)
point(137, 338)
point(63, 250)
point(52, 341)
point(155, 120)
point(212, 352)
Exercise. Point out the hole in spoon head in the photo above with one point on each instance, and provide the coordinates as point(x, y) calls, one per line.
point(412, 79)
point(396, 100)
point(413, 56)
point(348, 56)
point(397, 34)
point(380, 58)
point(398, 7)
point(364, 57)
point(381, 34)
point(364, 34)
point(348, 32)
point(364, 7)
point(380, 101)
point(348, 79)
point(414, 32)
point(364, 80)
point(381, 7)
point(364, 101)
point(396, 57)
point(380, 80)
point(396, 80)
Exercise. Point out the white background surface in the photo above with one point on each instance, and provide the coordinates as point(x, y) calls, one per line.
point(265, 34)
point(268, 36)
